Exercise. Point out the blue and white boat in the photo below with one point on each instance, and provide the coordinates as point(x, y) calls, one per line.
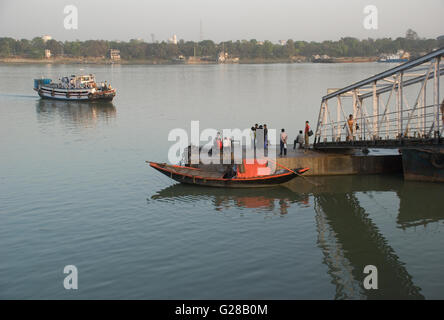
point(393, 58)
point(74, 88)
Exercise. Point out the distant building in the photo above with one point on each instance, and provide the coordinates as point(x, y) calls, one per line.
point(282, 42)
point(404, 54)
point(46, 38)
point(173, 40)
point(224, 57)
point(321, 58)
point(114, 54)
point(47, 53)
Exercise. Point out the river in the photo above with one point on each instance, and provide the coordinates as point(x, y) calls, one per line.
point(75, 190)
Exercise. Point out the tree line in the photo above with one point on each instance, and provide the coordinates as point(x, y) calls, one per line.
point(244, 49)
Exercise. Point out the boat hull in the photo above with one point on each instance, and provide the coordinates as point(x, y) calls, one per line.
point(393, 60)
point(423, 164)
point(75, 95)
point(200, 180)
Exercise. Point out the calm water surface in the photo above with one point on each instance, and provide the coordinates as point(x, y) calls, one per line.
point(75, 189)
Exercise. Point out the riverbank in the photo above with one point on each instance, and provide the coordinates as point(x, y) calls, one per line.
point(81, 60)
point(194, 61)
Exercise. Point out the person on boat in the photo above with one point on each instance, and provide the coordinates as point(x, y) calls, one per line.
point(283, 139)
point(230, 172)
point(218, 141)
point(256, 127)
point(350, 123)
point(307, 137)
point(260, 137)
point(253, 136)
point(227, 150)
point(217, 147)
point(265, 136)
point(227, 143)
point(300, 140)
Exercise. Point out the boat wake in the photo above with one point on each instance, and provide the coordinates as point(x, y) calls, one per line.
point(9, 95)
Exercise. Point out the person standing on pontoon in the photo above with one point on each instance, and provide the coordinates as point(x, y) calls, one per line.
point(350, 123)
point(283, 141)
point(307, 135)
point(442, 111)
point(299, 140)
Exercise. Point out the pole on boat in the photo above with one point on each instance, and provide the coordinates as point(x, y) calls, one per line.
point(296, 173)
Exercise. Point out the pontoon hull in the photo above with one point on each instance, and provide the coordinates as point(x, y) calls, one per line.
point(421, 164)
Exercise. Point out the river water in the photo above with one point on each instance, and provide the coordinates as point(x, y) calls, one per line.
point(75, 190)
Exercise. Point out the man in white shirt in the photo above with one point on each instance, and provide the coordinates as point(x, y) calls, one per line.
point(300, 140)
point(284, 138)
point(227, 142)
point(227, 150)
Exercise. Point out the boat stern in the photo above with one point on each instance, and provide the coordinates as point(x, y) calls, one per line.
point(301, 170)
point(41, 82)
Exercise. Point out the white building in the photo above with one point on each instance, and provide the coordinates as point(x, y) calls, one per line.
point(46, 38)
point(173, 40)
point(114, 54)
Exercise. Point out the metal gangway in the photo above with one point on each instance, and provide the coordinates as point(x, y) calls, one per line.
point(388, 110)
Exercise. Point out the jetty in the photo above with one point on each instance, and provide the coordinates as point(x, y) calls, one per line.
point(323, 163)
point(376, 113)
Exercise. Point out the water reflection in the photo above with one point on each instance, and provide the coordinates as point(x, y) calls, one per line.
point(277, 199)
point(349, 241)
point(420, 204)
point(79, 114)
point(347, 236)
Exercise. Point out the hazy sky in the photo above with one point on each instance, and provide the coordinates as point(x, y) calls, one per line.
point(221, 20)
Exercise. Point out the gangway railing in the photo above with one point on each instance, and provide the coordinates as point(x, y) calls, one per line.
point(391, 108)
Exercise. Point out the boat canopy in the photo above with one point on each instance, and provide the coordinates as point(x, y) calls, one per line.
point(41, 82)
point(253, 168)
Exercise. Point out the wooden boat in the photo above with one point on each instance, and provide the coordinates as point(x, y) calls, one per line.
point(245, 176)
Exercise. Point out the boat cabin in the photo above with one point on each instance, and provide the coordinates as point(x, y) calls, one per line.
point(84, 81)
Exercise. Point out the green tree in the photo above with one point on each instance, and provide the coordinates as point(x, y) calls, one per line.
point(6, 47)
point(56, 47)
point(411, 35)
